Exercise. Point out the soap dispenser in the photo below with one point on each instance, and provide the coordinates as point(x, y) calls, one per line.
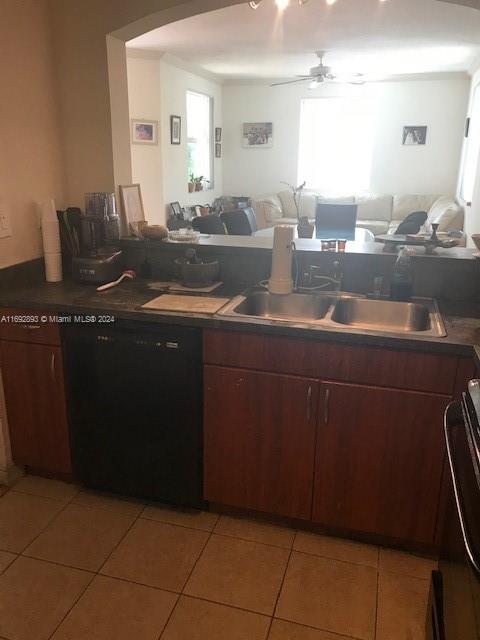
point(402, 277)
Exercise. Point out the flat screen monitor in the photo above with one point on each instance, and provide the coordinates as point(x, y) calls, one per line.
point(335, 221)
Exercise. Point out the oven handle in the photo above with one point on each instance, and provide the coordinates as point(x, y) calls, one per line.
point(452, 418)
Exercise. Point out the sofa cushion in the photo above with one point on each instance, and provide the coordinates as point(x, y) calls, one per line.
point(289, 207)
point(377, 227)
point(309, 200)
point(327, 198)
point(403, 205)
point(446, 213)
point(374, 206)
point(273, 208)
point(308, 204)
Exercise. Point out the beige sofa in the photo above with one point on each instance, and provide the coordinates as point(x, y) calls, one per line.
point(380, 213)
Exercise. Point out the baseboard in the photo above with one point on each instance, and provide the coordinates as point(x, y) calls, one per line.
point(11, 475)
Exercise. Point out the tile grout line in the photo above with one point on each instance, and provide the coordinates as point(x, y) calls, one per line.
point(281, 586)
point(94, 575)
point(182, 592)
point(67, 503)
point(309, 626)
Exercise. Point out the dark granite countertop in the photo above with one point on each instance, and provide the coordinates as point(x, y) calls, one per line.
point(462, 320)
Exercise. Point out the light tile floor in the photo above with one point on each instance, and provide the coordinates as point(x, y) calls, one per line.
point(77, 565)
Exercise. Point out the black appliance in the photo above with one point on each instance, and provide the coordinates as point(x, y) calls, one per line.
point(135, 409)
point(100, 258)
point(454, 608)
point(104, 266)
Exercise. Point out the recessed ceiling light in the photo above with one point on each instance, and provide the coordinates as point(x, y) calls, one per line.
point(282, 4)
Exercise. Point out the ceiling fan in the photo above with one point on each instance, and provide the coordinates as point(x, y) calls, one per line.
point(322, 73)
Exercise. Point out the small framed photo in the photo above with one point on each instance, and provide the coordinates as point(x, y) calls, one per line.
point(175, 129)
point(132, 207)
point(218, 150)
point(218, 134)
point(257, 135)
point(414, 136)
point(144, 131)
point(176, 210)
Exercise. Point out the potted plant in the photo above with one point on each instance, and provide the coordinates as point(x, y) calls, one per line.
point(191, 183)
point(305, 228)
point(198, 181)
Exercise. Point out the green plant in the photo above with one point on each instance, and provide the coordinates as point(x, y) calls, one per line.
point(297, 194)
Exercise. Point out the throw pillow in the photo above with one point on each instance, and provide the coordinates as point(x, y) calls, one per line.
point(272, 209)
point(446, 213)
point(412, 223)
point(288, 204)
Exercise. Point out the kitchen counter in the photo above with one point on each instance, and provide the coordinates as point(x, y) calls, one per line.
point(462, 320)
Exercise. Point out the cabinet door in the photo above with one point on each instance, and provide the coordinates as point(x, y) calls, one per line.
point(35, 401)
point(379, 461)
point(259, 440)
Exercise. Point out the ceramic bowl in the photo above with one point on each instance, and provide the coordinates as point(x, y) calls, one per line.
point(476, 240)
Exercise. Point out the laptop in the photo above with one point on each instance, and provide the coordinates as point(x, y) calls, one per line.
point(335, 221)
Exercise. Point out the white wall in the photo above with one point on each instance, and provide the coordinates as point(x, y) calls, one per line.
point(156, 90)
point(433, 168)
point(472, 213)
point(31, 167)
point(439, 104)
point(144, 102)
point(174, 83)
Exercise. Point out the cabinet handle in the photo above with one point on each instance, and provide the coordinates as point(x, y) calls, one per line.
point(52, 366)
point(326, 406)
point(309, 403)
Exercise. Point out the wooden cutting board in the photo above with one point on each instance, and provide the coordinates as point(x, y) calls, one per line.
point(192, 304)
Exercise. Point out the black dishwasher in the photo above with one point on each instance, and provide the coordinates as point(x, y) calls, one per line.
point(135, 409)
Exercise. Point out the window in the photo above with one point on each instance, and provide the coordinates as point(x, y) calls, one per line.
point(199, 139)
point(472, 152)
point(336, 143)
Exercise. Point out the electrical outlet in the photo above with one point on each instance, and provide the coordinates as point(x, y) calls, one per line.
point(5, 226)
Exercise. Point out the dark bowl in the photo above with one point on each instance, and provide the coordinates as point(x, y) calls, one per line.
point(197, 275)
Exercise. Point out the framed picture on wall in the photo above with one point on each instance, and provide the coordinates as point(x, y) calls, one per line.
point(414, 135)
point(144, 131)
point(257, 135)
point(175, 129)
point(218, 134)
point(218, 150)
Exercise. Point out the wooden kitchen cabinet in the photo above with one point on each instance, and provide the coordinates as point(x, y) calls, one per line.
point(259, 440)
point(35, 402)
point(379, 461)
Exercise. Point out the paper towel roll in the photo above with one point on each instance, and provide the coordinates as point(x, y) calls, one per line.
point(53, 267)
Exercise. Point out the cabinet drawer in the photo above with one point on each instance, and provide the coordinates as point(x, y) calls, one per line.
point(332, 361)
point(28, 327)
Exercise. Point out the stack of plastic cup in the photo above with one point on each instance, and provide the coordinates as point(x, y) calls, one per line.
point(51, 242)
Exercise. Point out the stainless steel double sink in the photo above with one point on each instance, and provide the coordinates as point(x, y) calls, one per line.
point(419, 317)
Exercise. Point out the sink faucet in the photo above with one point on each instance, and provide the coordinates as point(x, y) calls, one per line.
point(282, 256)
point(317, 280)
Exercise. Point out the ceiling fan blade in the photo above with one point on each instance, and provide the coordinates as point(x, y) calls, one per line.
point(278, 84)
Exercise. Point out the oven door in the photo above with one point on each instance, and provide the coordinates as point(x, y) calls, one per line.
point(455, 595)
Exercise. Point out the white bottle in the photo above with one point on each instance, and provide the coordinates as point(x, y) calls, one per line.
point(281, 278)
